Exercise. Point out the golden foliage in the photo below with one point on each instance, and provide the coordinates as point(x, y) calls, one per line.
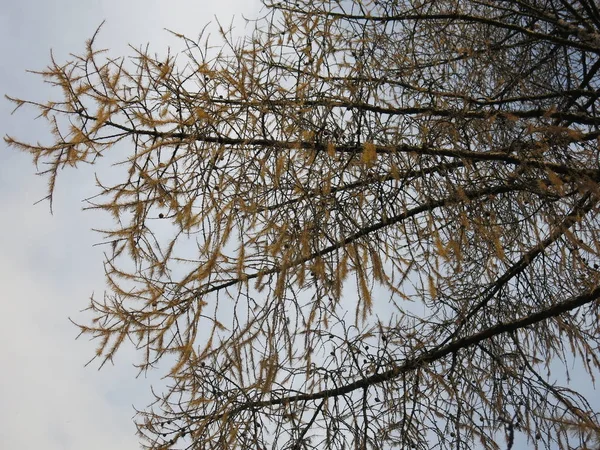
point(367, 224)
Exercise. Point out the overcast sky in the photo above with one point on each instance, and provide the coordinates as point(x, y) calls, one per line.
point(48, 267)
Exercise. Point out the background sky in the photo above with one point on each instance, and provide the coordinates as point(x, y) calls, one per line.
point(48, 265)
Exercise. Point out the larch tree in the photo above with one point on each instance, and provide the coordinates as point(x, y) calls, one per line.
point(369, 224)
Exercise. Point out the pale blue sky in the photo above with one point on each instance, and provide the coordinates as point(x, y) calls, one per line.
point(48, 267)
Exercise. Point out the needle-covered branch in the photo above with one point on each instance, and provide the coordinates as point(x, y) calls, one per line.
point(368, 224)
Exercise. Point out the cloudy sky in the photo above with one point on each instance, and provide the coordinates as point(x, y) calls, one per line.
point(48, 265)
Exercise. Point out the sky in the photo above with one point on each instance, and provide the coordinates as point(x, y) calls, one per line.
point(48, 264)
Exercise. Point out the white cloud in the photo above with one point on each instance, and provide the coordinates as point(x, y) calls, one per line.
point(48, 267)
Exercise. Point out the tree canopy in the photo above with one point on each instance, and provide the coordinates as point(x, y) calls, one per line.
point(370, 224)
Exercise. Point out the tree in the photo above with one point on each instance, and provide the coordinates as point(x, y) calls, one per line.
point(291, 197)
